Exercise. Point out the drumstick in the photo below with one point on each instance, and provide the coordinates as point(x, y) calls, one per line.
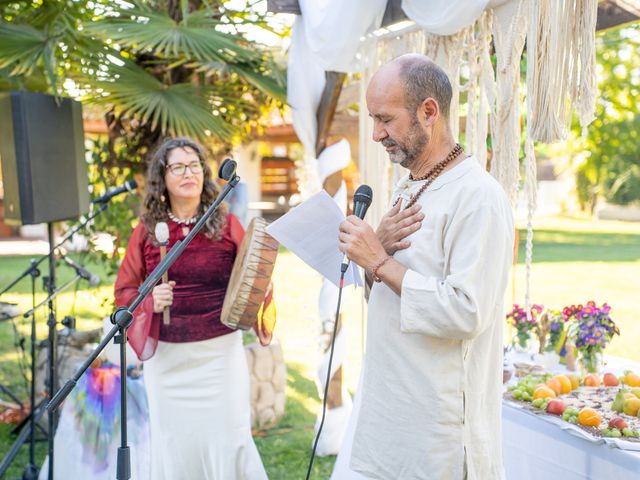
point(162, 237)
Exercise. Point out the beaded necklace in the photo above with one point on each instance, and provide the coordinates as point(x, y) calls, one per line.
point(185, 223)
point(182, 221)
point(431, 175)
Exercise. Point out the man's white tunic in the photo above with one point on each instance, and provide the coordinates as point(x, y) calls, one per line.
point(431, 389)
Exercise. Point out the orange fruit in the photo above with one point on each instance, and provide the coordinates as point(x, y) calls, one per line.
point(589, 417)
point(565, 383)
point(555, 385)
point(610, 380)
point(631, 380)
point(591, 380)
point(543, 392)
point(575, 383)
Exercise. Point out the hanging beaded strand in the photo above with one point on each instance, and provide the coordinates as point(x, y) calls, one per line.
point(432, 175)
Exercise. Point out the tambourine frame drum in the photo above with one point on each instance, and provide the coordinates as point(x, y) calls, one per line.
point(250, 277)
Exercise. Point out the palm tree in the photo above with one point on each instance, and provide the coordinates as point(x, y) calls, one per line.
point(156, 67)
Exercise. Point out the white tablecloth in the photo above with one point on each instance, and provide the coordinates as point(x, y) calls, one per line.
point(535, 449)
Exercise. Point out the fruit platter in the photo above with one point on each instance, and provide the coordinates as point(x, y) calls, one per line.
point(605, 407)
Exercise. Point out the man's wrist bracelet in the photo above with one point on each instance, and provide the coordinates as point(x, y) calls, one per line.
point(376, 267)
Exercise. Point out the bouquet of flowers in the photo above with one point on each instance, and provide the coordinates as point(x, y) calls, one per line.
point(523, 323)
point(556, 329)
point(591, 329)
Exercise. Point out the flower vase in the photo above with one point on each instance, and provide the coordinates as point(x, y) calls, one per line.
point(521, 345)
point(591, 362)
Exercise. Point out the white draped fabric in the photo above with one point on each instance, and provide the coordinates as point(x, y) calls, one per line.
point(321, 42)
point(305, 80)
point(334, 28)
point(443, 17)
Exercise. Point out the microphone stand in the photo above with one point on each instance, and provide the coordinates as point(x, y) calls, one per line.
point(31, 471)
point(122, 319)
point(68, 235)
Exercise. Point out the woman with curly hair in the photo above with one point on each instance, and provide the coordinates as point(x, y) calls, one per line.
point(195, 368)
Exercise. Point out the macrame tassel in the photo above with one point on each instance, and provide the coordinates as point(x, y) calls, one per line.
point(584, 98)
point(509, 30)
point(486, 87)
point(530, 190)
point(560, 66)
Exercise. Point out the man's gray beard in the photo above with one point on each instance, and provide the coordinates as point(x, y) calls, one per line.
point(402, 158)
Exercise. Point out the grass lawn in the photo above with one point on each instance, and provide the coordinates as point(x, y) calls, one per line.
point(574, 261)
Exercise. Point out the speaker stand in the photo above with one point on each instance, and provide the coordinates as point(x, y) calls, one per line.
point(52, 353)
point(31, 471)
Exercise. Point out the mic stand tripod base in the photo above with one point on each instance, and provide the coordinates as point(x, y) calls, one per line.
point(31, 472)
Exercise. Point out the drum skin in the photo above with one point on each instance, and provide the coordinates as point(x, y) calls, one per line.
point(250, 277)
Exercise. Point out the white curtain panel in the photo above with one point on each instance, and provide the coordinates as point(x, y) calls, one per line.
point(305, 83)
point(444, 17)
point(334, 28)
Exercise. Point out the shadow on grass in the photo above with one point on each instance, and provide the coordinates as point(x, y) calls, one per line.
point(564, 246)
point(286, 448)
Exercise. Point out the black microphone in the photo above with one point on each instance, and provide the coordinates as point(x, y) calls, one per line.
point(361, 201)
point(129, 186)
point(227, 169)
point(94, 280)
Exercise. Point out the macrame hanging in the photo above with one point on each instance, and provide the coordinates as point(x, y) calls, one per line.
point(509, 32)
point(560, 79)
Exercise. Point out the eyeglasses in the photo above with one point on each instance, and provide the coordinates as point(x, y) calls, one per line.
point(179, 169)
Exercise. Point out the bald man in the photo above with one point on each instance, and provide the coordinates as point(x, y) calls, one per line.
point(430, 396)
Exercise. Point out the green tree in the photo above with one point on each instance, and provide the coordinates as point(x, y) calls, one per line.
point(154, 68)
point(610, 166)
point(159, 67)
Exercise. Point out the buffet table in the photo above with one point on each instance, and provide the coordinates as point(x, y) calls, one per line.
point(543, 447)
point(535, 448)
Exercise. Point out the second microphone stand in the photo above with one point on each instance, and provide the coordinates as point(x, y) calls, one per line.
point(123, 317)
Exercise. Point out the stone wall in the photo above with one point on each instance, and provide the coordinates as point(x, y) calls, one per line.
point(268, 378)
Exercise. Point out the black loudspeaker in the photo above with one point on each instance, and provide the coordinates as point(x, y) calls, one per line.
point(44, 170)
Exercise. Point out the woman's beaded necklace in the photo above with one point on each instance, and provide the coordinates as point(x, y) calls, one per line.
point(185, 222)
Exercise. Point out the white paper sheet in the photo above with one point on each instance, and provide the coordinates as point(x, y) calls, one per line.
point(310, 231)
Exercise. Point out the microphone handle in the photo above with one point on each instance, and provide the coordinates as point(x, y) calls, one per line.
point(345, 264)
point(359, 210)
point(166, 315)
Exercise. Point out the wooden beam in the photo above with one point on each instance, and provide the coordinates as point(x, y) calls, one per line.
point(283, 6)
point(327, 107)
point(393, 13)
point(612, 13)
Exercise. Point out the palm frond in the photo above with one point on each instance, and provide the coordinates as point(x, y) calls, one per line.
point(195, 37)
point(181, 109)
point(22, 47)
point(271, 82)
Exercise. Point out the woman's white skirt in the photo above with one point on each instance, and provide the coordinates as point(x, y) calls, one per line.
point(199, 409)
